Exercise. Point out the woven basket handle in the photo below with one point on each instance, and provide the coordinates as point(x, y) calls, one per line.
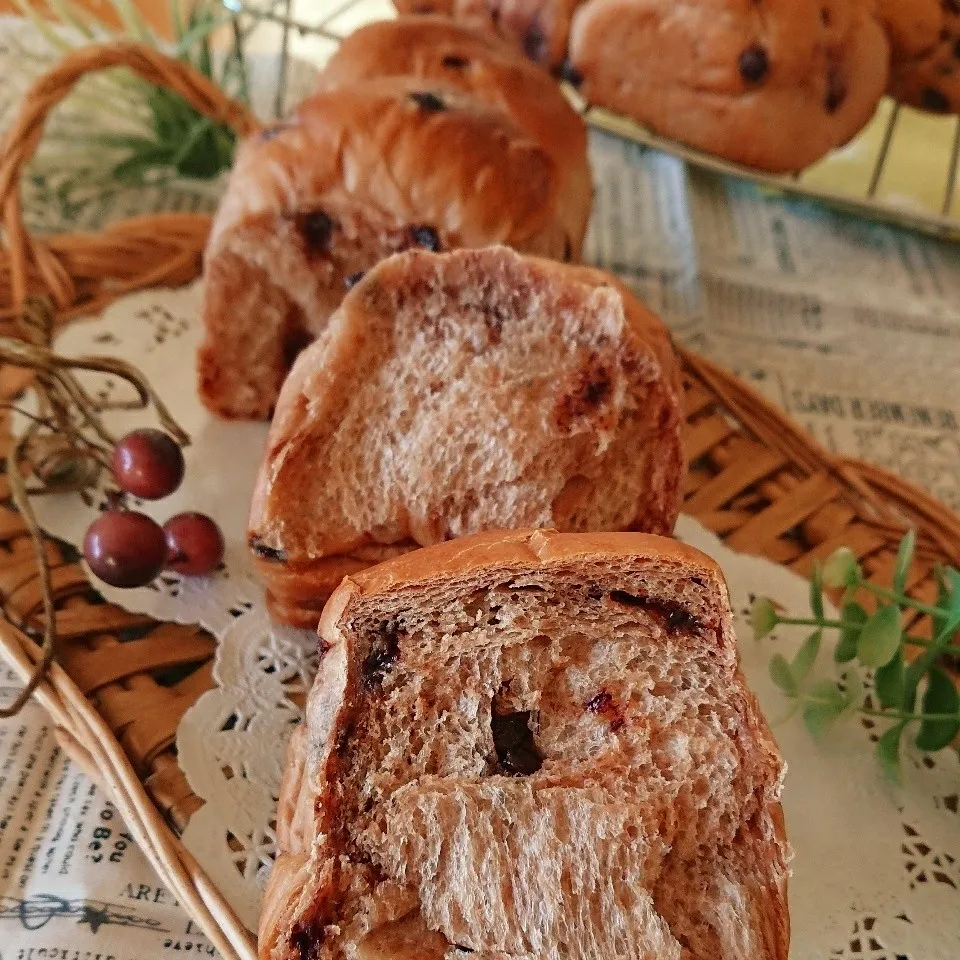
point(24, 135)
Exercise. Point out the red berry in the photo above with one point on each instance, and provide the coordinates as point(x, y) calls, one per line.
point(125, 548)
point(194, 544)
point(148, 463)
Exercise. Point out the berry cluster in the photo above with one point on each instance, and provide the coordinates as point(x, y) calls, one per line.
point(126, 548)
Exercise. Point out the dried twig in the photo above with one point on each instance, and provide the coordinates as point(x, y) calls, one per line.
point(66, 445)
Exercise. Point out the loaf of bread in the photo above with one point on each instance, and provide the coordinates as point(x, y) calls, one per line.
point(925, 41)
point(531, 745)
point(772, 84)
point(359, 172)
point(439, 52)
point(460, 392)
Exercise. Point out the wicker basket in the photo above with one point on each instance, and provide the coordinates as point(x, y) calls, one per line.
point(755, 479)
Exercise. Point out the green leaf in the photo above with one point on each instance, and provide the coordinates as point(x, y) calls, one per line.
point(204, 59)
point(191, 154)
point(199, 30)
point(207, 156)
point(940, 697)
point(841, 568)
point(135, 169)
point(116, 141)
point(172, 117)
point(823, 707)
point(890, 680)
point(782, 675)
point(904, 558)
point(888, 751)
point(226, 141)
point(763, 617)
point(952, 581)
point(855, 617)
point(816, 591)
point(806, 656)
point(880, 637)
point(819, 717)
point(236, 56)
point(827, 691)
point(176, 17)
point(945, 628)
point(943, 591)
point(946, 597)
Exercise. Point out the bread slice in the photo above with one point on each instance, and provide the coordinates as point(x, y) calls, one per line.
point(460, 56)
point(454, 393)
point(355, 175)
point(531, 745)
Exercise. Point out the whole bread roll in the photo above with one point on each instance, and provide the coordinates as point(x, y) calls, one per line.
point(438, 51)
point(773, 85)
point(925, 41)
point(531, 745)
point(355, 175)
point(453, 393)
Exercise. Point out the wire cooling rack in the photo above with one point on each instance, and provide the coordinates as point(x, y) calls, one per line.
point(902, 168)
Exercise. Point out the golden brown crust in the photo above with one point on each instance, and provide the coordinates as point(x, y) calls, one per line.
point(539, 28)
point(298, 885)
point(295, 822)
point(772, 901)
point(483, 551)
point(353, 176)
point(925, 41)
point(773, 85)
point(298, 592)
point(444, 54)
point(378, 142)
point(300, 891)
point(630, 461)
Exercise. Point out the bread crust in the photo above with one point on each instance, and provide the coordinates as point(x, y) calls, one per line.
point(925, 42)
point(299, 890)
point(301, 548)
point(441, 53)
point(354, 176)
point(540, 28)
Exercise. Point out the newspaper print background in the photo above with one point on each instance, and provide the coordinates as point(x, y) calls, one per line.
point(850, 326)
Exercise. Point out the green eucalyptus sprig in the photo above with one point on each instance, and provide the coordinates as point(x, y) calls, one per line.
point(914, 694)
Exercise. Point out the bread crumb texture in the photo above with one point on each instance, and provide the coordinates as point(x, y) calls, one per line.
point(461, 392)
point(532, 753)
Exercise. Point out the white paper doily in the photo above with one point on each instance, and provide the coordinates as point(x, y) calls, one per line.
point(877, 868)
